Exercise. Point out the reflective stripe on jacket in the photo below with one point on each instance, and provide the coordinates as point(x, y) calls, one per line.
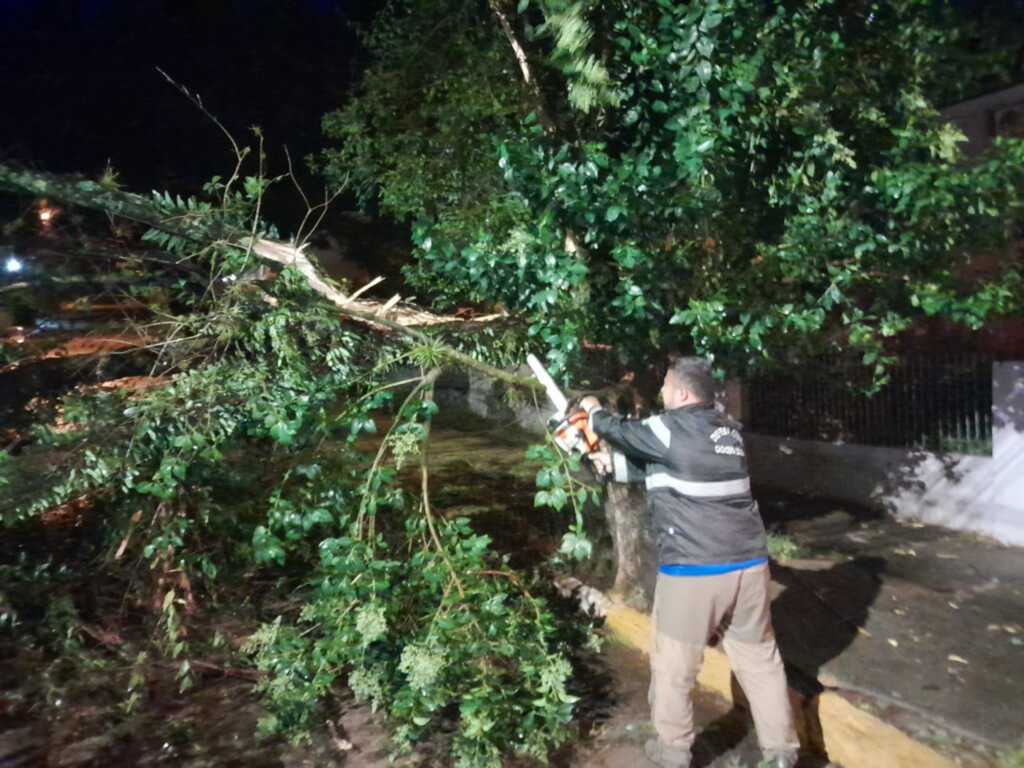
point(693, 464)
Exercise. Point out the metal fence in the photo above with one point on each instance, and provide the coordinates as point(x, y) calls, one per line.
point(935, 402)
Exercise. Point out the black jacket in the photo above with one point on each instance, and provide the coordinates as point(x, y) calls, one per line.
point(693, 463)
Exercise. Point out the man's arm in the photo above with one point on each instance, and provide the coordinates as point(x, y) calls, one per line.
point(640, 441)
point(625, 469)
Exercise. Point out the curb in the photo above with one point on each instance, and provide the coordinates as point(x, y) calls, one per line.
point(849, 736)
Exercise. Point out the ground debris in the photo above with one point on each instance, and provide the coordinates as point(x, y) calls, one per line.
point(20, 747)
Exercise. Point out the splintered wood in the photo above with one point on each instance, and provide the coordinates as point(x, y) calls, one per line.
point(360, 309)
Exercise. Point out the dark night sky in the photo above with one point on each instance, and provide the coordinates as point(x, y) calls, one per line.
point(80, 85)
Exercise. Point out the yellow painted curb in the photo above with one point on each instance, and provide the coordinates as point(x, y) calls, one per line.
point(850, 736)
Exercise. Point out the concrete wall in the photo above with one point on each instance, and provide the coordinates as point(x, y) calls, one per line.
point(971, 493)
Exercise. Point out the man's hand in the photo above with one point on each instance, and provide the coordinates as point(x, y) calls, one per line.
point(581, 421)
point(596, 451)
point(601, 460)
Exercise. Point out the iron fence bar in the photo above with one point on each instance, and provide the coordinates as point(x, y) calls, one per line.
point(932, 401)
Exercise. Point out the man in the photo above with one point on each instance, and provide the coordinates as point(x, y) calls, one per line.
point(713, 561)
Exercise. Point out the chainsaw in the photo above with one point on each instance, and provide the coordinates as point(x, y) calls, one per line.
point(570, 427)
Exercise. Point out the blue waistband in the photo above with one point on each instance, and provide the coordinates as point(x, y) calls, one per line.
point(709, 570)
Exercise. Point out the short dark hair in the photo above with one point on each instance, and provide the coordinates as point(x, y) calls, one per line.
point(694, 373)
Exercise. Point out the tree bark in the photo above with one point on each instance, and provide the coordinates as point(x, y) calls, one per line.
point(626, 513)
point(543, 113)
point(573, 243)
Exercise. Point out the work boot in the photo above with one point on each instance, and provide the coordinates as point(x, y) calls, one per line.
point(780, 759)
point(665, 756)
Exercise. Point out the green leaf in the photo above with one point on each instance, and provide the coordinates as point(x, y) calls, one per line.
point(710, 21)
point(557, 499)
point(182, 441)
point(282, 432)
point(576, 546)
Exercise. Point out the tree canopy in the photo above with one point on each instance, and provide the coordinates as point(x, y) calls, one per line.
point(741, 178)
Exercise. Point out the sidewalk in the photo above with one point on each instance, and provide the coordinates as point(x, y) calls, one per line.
point(918, 624)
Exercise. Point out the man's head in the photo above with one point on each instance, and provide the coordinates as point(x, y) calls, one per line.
point(688, 382)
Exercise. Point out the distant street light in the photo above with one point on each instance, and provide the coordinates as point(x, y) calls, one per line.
point(47, 214)
point(13, 265)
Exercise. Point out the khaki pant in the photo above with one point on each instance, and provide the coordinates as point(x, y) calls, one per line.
point(688, 611)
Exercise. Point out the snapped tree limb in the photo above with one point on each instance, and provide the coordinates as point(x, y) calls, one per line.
point(406, 321)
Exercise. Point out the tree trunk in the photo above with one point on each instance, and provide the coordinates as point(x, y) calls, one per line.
point(543, 113)
point(625, 508)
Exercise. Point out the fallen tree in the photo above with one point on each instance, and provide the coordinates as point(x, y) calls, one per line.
point(413, 610)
